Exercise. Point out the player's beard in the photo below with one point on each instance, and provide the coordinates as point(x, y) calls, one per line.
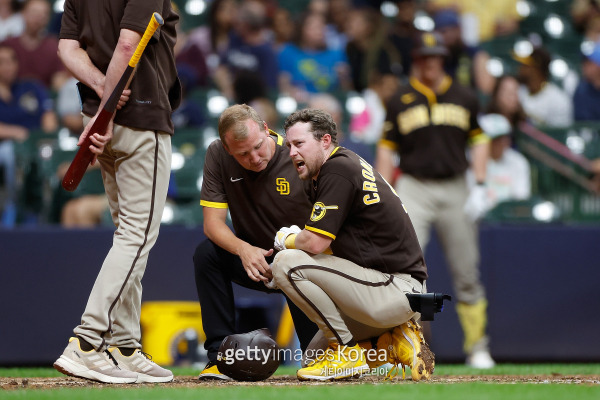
point(311, 168)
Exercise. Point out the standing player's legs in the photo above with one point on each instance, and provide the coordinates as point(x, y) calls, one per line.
point(460, 241)
point(421, 204)
point(135, 167)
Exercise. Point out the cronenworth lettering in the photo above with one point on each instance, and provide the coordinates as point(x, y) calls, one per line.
point(441, 114)
point(369, 184)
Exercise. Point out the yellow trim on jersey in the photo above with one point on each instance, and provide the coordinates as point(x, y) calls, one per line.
point(419, 87)
point(322, 232)
point(333, 152)
point(279, 140)
point(477, 136)
point(430, 94)
point(388, 144)
point(213, 204)
point(445, 85)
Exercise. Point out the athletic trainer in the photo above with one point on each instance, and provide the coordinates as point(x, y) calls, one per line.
point(248, 173)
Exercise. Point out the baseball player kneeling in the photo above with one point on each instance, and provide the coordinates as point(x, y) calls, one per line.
point(351, 266)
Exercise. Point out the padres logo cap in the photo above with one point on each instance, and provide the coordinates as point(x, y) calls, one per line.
point(429, 44)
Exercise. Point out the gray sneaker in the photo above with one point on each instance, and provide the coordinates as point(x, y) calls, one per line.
point(141, 363)
point(93, 365)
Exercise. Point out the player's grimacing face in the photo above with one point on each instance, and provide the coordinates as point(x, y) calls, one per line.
point(254, 152)
point(306, 152)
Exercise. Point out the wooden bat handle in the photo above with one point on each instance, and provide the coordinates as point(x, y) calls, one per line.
point(84, 156)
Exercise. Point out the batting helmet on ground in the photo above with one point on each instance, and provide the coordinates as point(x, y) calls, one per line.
point(252, 356)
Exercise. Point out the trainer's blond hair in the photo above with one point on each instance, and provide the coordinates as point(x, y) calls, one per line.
point(233, 120)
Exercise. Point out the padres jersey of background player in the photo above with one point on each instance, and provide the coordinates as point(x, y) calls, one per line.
point(277, 189)
point(431, 131)
point(364, 216)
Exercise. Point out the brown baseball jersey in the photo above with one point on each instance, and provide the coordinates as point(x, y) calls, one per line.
point(155, 88)
point(259, 202)
point(359, 210)
point(431, 131)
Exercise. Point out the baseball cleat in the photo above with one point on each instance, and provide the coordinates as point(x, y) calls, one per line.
point(407, 347)
point(211, 371)
point(337, 362)
point(141, 363)
point(97, 366)
point(480, 359)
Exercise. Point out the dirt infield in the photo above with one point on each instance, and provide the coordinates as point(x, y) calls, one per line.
point(286, 380)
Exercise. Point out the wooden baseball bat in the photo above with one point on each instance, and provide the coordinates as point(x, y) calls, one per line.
point(84, 156)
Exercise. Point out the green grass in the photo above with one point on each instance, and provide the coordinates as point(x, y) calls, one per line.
point(354, 392)
point(379, 391)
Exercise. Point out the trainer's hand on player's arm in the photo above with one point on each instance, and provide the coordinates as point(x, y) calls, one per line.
point(253, 260)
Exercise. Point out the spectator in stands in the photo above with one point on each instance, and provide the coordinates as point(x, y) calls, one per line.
point(545, 104)
point(505, 100)
point(328, 103)
point(467, 64)
point(335, 28)
point(583, 12)
point(267, 111)
point(36, 50)
point(404, 31)
point(376, 67)
point(213, 39)
point(190, 58)
point(367, 126)
point(68, 107)
point(250, 57)
point(369, 51)
point(482, 20)
point(508, 171)
point(586, 100)
point(11, 21)
point(24, 106)
point(284, 27)
point(307, 66)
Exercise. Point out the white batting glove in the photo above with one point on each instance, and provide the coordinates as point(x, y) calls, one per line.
point(477, 203)
point(282, 234)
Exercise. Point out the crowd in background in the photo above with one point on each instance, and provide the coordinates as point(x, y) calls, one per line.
point(253, 51)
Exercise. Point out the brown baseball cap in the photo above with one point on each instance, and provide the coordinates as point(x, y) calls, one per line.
point(429, 44)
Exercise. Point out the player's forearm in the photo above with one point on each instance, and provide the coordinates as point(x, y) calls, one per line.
point(128, 41)
point(79, 63)
point(220, 233)
point(479, 158)
point(384, 163)
point(311, 242)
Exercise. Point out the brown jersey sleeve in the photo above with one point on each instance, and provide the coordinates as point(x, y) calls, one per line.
point(333, 202)
point(213, 191)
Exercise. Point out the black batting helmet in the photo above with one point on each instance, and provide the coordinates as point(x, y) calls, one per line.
point(252, 356)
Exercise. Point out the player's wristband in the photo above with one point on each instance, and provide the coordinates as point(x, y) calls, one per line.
point(290, 241)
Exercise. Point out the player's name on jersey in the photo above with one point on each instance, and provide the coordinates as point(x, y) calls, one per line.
point(441, 114)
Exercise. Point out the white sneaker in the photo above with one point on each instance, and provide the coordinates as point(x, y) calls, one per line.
point(93, 365)
point(142, 364)
point(480, 359)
